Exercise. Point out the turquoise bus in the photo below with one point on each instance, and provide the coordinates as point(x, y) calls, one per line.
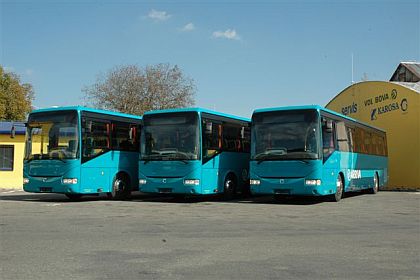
point(81, 151)
point(194, 151)
point(310, 150)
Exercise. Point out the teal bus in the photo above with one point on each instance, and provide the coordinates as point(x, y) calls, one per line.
point(310, 150)
point(80, 151)
point(194, 151)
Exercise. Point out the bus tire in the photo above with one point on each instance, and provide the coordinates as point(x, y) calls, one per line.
point(339, 191)
point(73, 196)
point(375, 187)
point(229, 187)
point(120, 187)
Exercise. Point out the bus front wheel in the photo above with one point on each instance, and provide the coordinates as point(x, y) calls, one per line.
point(229, 187)
point(120, 187)
point(339, 190)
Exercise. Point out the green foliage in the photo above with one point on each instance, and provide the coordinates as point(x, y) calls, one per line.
point(15, 98)
point(134, 90)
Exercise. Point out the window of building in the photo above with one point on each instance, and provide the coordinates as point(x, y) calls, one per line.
point(6, 157)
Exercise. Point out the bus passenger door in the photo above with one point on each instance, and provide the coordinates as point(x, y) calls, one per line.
point(96, 156)
point(331, 159)
point(211, 149)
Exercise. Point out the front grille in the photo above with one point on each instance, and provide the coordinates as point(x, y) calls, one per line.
point(45, 189)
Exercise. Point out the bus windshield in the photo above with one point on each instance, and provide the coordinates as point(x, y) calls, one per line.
point(170, 136)
point(285, 135)
point(52, 135)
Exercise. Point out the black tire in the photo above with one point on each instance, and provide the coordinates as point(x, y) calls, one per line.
point(73, 196)
point(339, 191)
point(375, 187)
point(120, 187)
point(229, 187)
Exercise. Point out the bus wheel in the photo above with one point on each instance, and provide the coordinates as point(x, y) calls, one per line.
point(339, 190)
point(375, 184)
point(73, 196)
point(229, 188)
point(120, 187)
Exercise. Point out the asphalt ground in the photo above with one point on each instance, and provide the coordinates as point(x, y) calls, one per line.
point(46, 236)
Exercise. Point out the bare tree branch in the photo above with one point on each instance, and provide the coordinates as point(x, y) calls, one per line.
point(135, 90)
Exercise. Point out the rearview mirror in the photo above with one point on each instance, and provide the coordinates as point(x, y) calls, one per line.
point(209, 127)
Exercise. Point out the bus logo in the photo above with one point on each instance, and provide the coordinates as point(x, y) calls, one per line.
point(164, 181)
point(281, 181)
point(44, 180)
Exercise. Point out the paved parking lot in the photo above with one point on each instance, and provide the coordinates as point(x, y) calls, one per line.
point(45, 236)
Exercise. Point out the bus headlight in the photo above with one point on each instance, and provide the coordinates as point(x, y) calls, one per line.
point(25, 181)
point(192, 182)
point(254, 182)
point(142, 181)
point(70, 181)
point(313, 182)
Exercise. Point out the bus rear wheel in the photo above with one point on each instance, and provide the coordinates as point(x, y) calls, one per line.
point(120, 187)
point(229, 187)
point(375, 187)
point(339, 190)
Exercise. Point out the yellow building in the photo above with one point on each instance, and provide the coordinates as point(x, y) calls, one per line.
point(395, 107)
point(12, 146)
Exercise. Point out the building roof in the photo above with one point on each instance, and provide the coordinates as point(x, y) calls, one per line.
point(413, 86)
point(6, 128)
point(407, 72)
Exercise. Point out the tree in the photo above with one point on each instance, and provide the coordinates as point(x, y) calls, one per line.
point(135, 90)
point(15, 98)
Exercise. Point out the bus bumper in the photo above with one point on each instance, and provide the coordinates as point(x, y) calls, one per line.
point(168, 186)
point(287, 186)
point(50, 185)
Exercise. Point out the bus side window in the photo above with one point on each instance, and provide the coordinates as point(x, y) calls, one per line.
point(328, 141)
point(212, 138)
point(96, 138)
point(342, 137)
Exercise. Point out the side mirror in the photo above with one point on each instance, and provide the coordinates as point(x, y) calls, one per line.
point(89, 126)
point(328, 125)
point(132, 133)
point(209, 127)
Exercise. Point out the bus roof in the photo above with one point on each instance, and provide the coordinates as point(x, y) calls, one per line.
point(199, 110)
point(81, 108)
point(315, 107)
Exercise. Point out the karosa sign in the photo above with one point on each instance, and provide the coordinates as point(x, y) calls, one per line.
point(382, 103)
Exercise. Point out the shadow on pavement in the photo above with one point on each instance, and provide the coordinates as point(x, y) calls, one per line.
point(140, 197)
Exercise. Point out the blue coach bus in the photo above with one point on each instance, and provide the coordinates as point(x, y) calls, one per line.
point(310, 150)
point(80, 151)
point(194, 151)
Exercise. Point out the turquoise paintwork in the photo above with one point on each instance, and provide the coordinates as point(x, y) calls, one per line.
point(93, 177)
point(169, 176)
point(288, 176)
